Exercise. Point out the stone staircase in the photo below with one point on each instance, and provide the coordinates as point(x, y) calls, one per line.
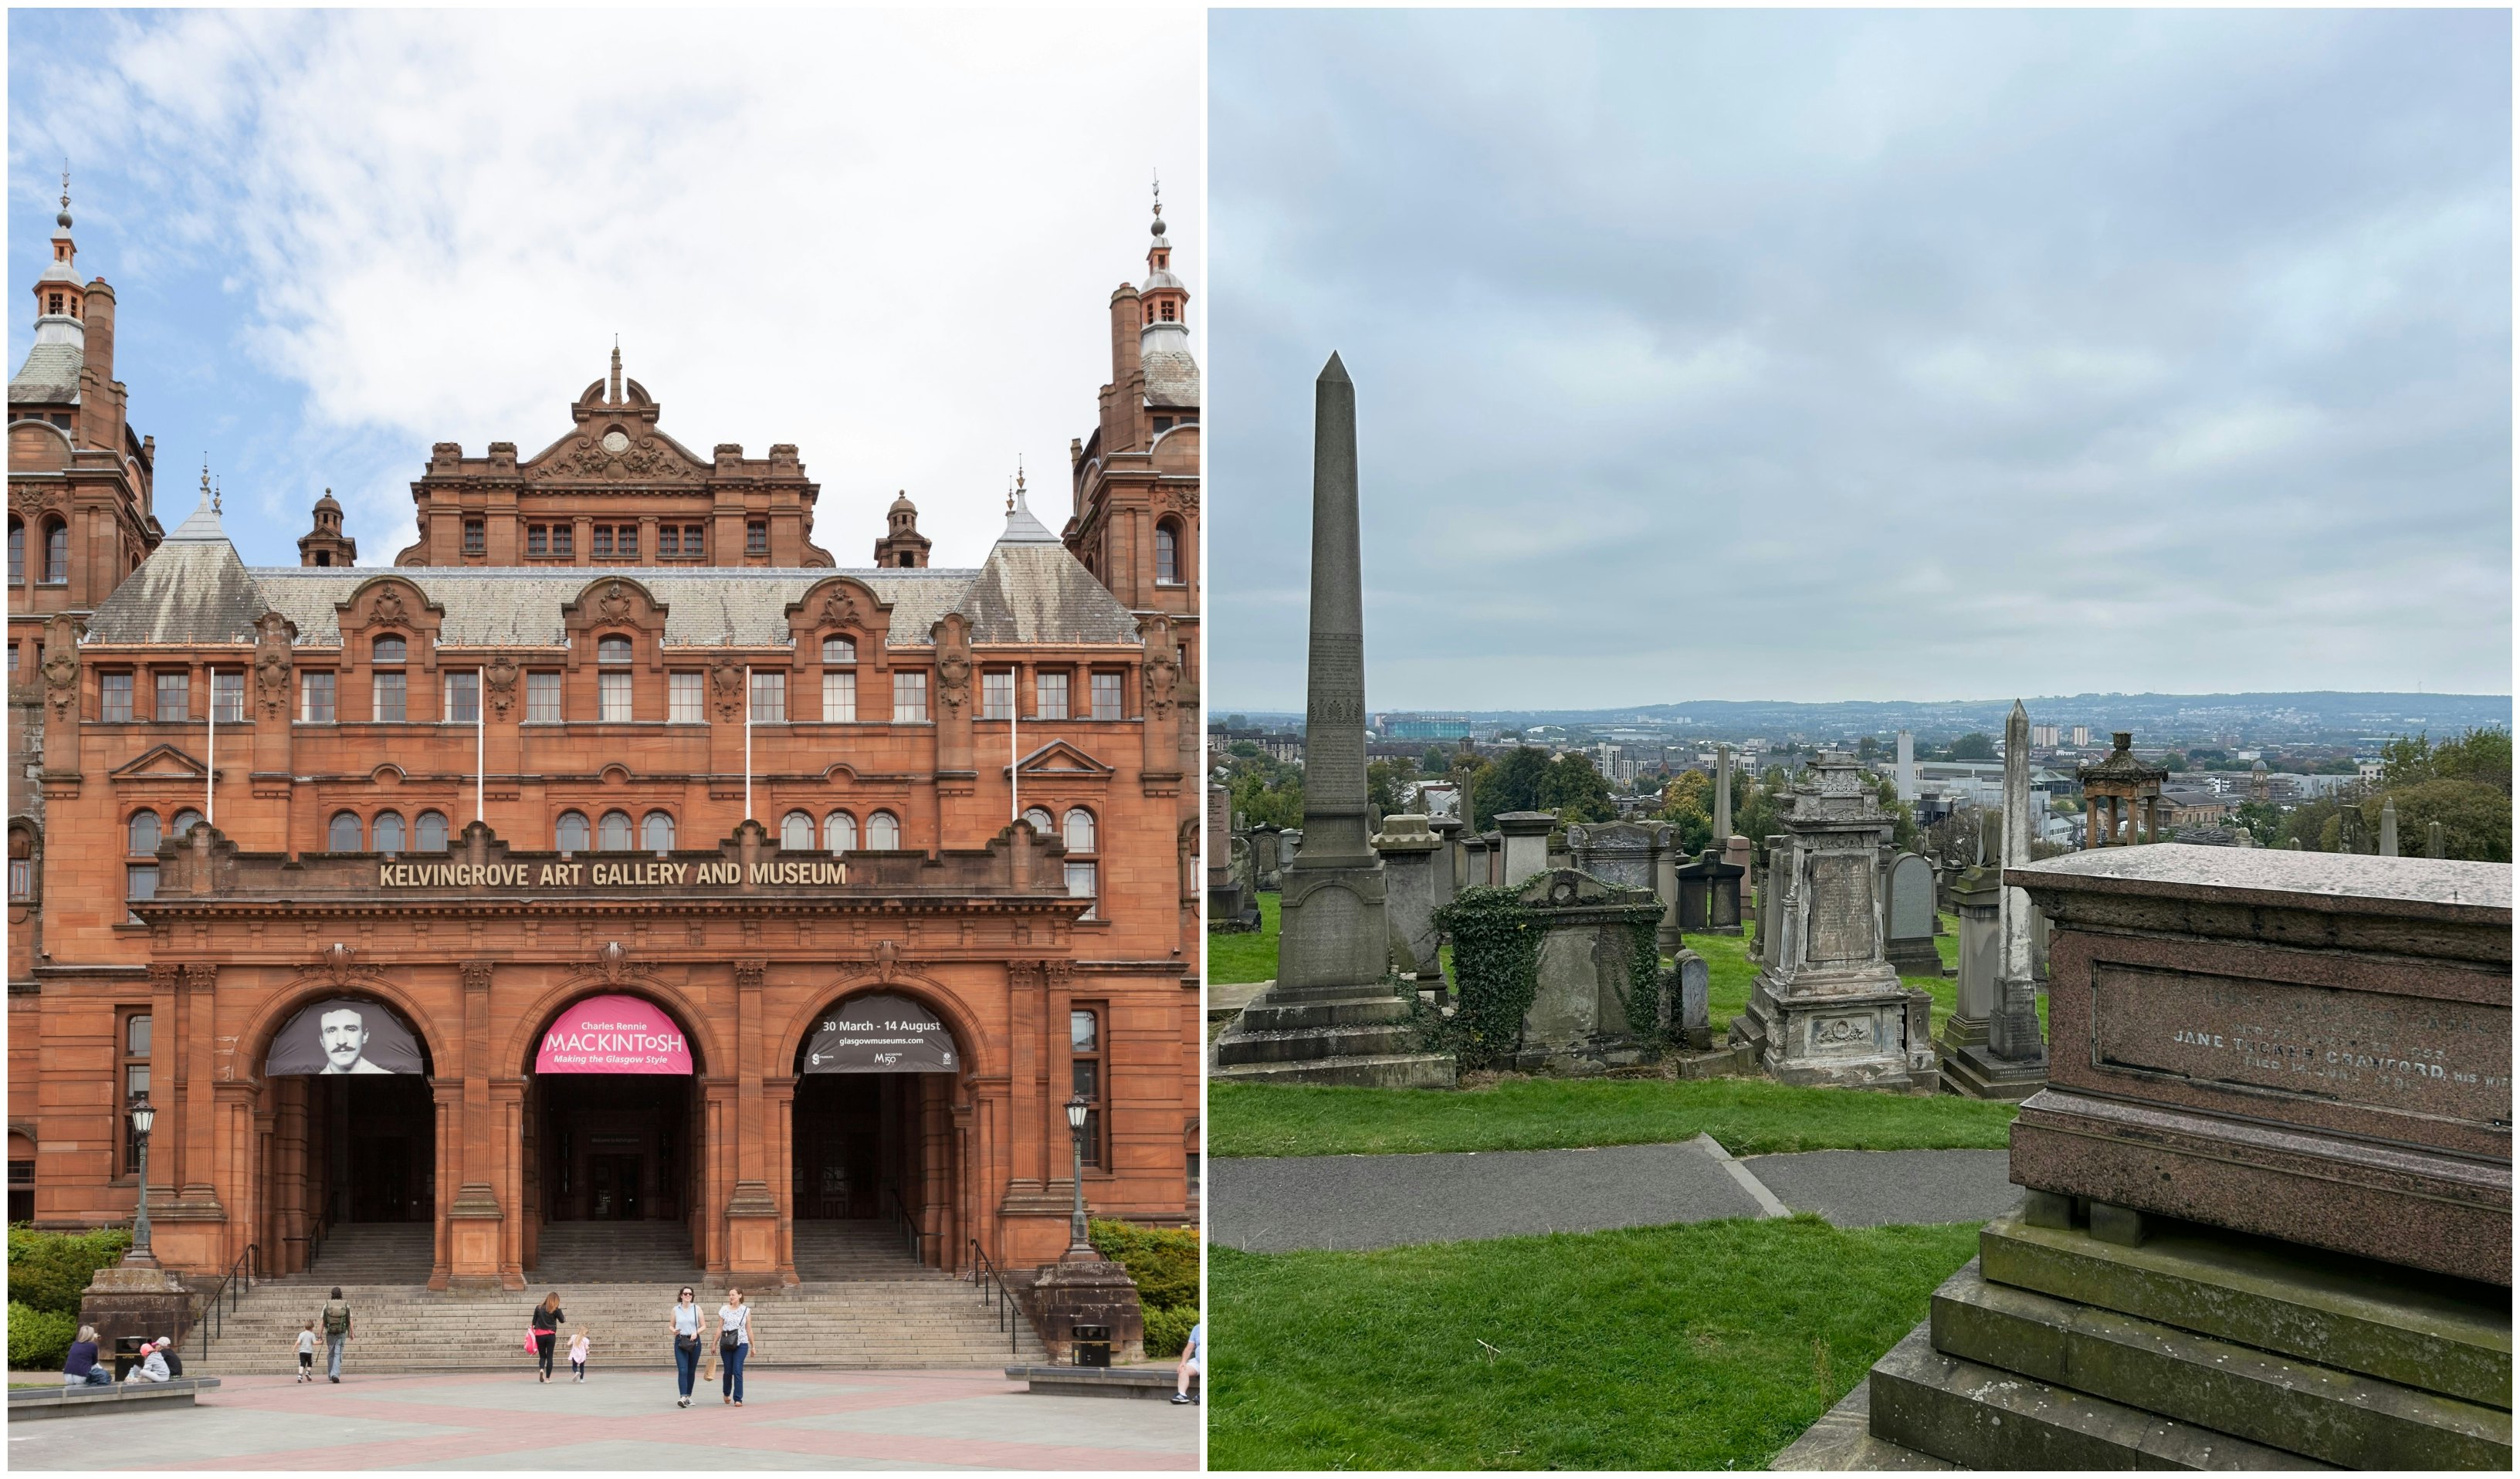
point(1351, 1035)
point(864, 1304)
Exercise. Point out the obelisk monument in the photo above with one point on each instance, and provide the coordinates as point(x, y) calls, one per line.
point(1723, 799)
point(1331, 925)
point(2013, 1033)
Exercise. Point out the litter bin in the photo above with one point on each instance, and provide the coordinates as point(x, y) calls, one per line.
point(126, 1354)
point(1093, 1343)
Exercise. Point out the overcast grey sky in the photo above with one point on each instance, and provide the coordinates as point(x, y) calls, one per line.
point(1867, 355)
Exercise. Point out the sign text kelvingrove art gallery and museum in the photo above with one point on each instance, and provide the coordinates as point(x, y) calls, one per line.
point(612, 852)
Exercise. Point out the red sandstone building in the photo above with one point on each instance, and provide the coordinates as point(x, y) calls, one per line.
point(613, 726)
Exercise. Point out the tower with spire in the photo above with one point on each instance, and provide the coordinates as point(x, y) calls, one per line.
point(324, 545)
point(902, 545)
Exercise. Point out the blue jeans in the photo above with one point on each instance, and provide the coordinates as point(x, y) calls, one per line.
point(730, 1383)
point(687, 1366)
point(333, 1344)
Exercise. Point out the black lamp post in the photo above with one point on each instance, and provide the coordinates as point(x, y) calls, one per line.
point(142, 1118)
point(1077, 1242)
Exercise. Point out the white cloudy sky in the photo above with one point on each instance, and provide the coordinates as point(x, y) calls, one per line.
point(1868, 355)
point(340, 236)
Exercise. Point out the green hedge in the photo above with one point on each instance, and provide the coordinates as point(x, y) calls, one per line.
point(1163, 1263)
point(50, 1271)
point(39, 1340)
point(1496, 968)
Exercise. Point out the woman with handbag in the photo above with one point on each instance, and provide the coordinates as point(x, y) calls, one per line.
point(547, 1322)
point(687, 1343)
point(734, 1344)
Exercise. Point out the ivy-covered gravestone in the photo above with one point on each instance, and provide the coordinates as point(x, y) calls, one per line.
point(1595, 1002)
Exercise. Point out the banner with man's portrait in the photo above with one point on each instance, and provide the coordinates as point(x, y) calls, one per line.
point(345, 1036)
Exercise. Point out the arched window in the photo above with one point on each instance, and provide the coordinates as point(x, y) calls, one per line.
point(611, 652)
point(144, 832)
point(57, 552)
point(883, 832)
point(797, 831)
point(431, 831)
point(1079, 833)
point(389, 650)
point(1041, 821)
point(840, 649)
point(1167, 554)
point(568, 834)
point(17, 551)
point(184, 821)
point(343, 835)
point(387, 832)
point(657, 833)
point(612, 833)
point(840, 832)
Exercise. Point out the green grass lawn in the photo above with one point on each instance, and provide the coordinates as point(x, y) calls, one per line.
point(1707, 1345)
point(1232, 958)
point(1747, 1116)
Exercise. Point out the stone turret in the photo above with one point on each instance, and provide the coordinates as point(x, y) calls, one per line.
point(326, 545)
point(902, 545)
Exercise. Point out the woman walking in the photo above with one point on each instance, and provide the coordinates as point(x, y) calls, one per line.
point(547, 1323)
point(734, 1344)
point(687, 1343)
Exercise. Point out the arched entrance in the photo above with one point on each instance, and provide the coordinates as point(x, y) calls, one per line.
point(873, 1156)
point(611, 1156)
point(354, 1136)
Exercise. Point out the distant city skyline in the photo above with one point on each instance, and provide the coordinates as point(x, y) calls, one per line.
point(1854, 353)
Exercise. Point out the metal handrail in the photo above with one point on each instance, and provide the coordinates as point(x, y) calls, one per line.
point(218, 1308)
point(911, 1233)
point(983, 1272)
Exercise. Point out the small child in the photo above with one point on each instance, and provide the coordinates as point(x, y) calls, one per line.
point(577, 1349)
point(306, 1353)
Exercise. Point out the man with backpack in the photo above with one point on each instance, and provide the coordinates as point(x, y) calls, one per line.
point(336, 1330)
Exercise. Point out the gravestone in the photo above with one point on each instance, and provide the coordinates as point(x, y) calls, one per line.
point(1474, 860)
point(2269, 1216)
point(1578, 1020)
point(1970, 1068)
point(1411, 853)
point(1911, 949)
point(1231, 909)
point(1828, 1009)
point(1334, 1014)
point(1708, 895)
point(1269, 874)
point(1683, 1001)
point(1631, 854)
point(1525, 837)
point(1448, 865)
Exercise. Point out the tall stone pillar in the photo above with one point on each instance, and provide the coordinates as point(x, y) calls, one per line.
point(2013, 1034)
point(1525, 843)
point(751, 1213)
point(1411, 853)
point(1722, 797)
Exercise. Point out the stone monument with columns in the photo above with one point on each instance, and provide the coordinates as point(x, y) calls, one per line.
point(1999, 941)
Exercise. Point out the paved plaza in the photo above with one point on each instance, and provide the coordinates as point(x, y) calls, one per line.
point(624, 1420)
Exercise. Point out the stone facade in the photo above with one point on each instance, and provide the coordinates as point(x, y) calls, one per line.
point(1828, 1009)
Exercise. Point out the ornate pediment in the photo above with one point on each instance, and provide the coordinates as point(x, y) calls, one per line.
point(162, 762)
point(623, 453)
point(1059, 760)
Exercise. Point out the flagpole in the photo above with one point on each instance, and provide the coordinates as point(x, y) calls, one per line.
point(1014, 753)
point(211, 776)
point(480, 744)
point(747, 744)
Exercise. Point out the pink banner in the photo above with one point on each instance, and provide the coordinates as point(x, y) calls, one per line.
point(613, 1034)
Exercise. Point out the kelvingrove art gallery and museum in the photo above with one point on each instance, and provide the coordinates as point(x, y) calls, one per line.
point(612, 856)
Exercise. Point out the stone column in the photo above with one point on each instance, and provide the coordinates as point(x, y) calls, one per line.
point(1722, 796)
point(2387, 827)
point(473, 1211)
point(1526, 843)
point(2013, 1032)
point(1410, 856)
point(751, 1213)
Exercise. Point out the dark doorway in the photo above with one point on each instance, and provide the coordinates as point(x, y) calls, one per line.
point(377, 1137)
point(614, 1146)
point(843, 1165)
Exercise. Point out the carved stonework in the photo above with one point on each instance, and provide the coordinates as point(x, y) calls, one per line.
point(615, 458)
point(613, 962)
point(952, 638)
point(31, 500)
point(614, 603)
point(726, 685)
point(748, 974)
point(499, 675)
point(60, 666)
point(476, 974)
point(1163, 667)
point(272, 663)
point(389, 610)
point(1177, 501)
point(841, 608)
point(339, 961)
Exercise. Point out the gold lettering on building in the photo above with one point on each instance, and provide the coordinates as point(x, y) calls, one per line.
point(654, 873)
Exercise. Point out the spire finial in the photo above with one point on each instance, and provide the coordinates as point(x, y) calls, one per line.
point(1019, 486)
point(617, 371)
point(64, 216)
point(1158, 228)
point(216, 490)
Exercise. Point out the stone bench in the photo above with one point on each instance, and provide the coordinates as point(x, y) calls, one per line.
point(1097, 1381)
point(73, 1401)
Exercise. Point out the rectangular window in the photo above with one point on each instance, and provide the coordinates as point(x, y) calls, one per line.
point(174, 697)
point(226, 695)
point(463, 698)
point(602, 541)
point(625, 542)
point(114, 697)
point(315, 698)
point(1107, 695)
point(690, 704)
point(909, 698)
point(998, 695)
point(1085, 1075)
point(140, 882)
point(21, 877)
point(756, 538)
point(769, 697)
point(1050, 696)
point(134, 1061)
point(563, 539)
point(1080, 885)
point(613, 690)
point(669, 540)
point(388, 706)
point(692, 545)
point(542, 697)
point(476, 540)
point(537, 539)
point(839, 697)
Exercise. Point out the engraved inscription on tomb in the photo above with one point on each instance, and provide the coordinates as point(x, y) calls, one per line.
point(1841, 909)
point(1842, 1034)
point(2447, 1061)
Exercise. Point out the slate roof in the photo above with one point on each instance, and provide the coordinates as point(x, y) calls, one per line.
point(50, 374)
point(194, 589)
point(1172, 377)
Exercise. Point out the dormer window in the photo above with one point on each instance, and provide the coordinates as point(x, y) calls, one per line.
point(613, 649)
point(840, 649)
point(389, 650)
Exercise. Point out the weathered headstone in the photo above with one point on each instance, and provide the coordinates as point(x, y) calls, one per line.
point(1474, 860)
point(1687, 1007)
point(1332, 1015)
point(1411, 855)
point(1578, 1020)
point(2269, 1216)
point(1631, 854)
point(1525, 837)
point(1828, 1009)
point(1231, 910)
point(1269, 871)
point(1911, 949)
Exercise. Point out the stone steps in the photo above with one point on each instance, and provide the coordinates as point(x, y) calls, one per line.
point(1387, 1070)
point(1337, 1011)
point(1310, 1044)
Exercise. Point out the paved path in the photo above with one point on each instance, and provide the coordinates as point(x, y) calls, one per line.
point(625, 1420)
point(1275, 1204)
